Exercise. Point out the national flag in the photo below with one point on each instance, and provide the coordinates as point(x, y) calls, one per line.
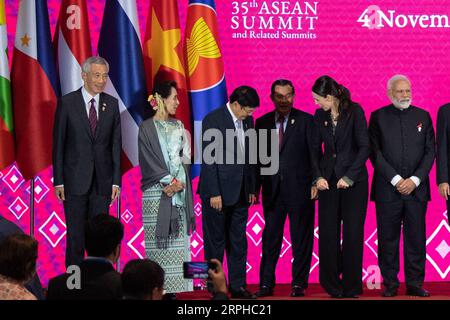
point(72, 43)
point(34, 88)
point(163, 52)
point(206, 78)
point(6, 117)
point(119, 43)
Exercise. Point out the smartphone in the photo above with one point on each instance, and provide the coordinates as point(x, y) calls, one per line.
point(197, 270)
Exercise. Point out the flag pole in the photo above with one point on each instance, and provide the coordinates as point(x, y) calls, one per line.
point(32, 207)
point(118, 217)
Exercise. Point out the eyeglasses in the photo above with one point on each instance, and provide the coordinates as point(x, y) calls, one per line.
point(248, 110)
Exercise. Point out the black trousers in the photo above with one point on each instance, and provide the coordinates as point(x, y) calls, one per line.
point(226, 232)
point(301, 220)
point(340, 270)
point(390, 216)
point(78, 209)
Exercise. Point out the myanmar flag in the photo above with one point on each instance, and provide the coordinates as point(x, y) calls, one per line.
point(6, 119)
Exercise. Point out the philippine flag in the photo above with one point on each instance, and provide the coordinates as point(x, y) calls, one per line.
point(34, 88)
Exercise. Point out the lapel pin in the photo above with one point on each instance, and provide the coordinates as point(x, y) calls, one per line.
point(292, 121)
point(326, 123)
point(104, 107)
point(419, 127)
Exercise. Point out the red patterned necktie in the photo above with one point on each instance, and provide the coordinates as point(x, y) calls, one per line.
point(92, 117)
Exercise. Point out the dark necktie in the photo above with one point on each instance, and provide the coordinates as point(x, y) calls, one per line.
point(92, 117)
point(280, 130)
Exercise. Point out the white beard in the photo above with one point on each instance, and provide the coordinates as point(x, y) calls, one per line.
point(402, 104)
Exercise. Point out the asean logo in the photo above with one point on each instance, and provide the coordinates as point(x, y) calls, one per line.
point(203, 53)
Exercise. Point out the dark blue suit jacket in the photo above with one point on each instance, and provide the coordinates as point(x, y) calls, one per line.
point(292, 182)
point(345, 153)
point(77, 155)
point(220, 178)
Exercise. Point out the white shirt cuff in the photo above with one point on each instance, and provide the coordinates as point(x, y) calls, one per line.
point(116, 186)
point(396, 179)
point(59, 185)
point(416, 180)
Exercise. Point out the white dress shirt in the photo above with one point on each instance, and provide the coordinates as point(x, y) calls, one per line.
point(238, 126)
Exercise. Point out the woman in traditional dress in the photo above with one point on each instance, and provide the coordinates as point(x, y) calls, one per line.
point(167, 213)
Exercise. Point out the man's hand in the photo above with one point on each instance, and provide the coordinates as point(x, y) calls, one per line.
point(251, 199)
point(218, 277)
point(216, 203)
point(314, 193)
point(397, 186)
point(342, 184)
point(322, 184)
point(406, 186)
point(115, 193)
point(444, 190)
point(59, 192)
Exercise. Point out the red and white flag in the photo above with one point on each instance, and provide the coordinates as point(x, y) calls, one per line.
point(72, 43)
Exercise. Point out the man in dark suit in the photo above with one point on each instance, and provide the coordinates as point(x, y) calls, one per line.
point(289, 191)
point(443, 153)
point(8, 228)
point(86, 154)
point(403, 150)
point(97, 279)
point(227, 184)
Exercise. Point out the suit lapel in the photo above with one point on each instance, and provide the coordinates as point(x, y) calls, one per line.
point(271, 121)
point(328, 124)
point(229, 124)
point(81, 111)
point(289, 127)
point(341, 124)
point(102, 110)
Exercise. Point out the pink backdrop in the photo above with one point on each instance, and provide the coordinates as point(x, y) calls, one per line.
point(360, 58)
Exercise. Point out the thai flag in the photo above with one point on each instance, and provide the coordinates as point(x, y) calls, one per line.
point(205, 71)
point(72, 43)
point(34, 88)
point(119, 43)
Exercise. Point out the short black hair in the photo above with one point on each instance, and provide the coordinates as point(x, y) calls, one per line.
point(246, 96)
point(282, 83)
point(164, 88)
point(140, 277)
point(103, 234)
point(18, 255)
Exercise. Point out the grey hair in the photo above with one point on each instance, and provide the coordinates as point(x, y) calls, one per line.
point(94, 60)
point(395, 79)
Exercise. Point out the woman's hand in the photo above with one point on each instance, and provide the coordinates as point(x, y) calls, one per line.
point(177, 186)
point(168, 190)
point(322, 184)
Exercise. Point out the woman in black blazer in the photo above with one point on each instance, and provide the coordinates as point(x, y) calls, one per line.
point(340, 174)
